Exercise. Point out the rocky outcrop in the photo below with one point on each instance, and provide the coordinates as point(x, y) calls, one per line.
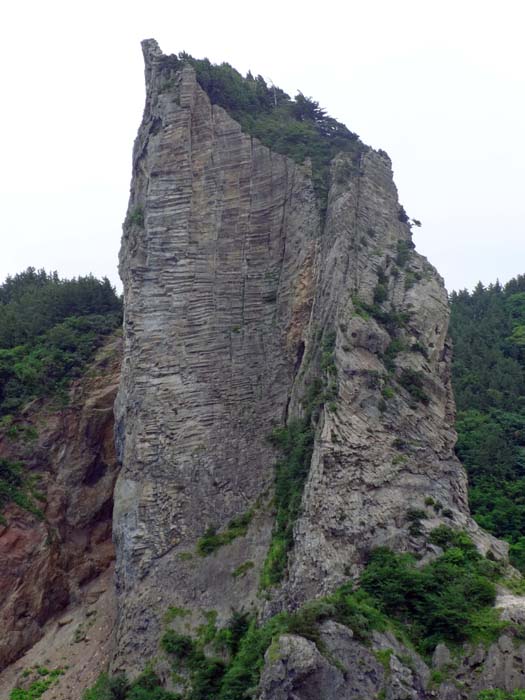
point(384, 447)
point(237, 295)
point(248, 305)
point(346, 670)
point(69, 453)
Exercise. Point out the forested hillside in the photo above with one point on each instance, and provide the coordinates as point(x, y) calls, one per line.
point(488, 330)
point(49, 329)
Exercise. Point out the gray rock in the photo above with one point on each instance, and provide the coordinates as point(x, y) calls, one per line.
point(230, 276)
point(441, 656)
point(295, 668)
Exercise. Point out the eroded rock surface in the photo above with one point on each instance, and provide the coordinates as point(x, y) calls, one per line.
point(219, 282)
point(346, 670)
point(385, 442)
point(239, 296)
point(70, 452)
point(233, 283)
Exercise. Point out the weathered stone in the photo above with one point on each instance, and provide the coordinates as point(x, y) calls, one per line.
point(232, 282)
point(296, 669)
point(218, 288)
point(230, 277)
point(441, 657)
point(45, 562)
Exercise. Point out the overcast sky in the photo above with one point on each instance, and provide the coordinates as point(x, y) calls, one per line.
point(439, 85)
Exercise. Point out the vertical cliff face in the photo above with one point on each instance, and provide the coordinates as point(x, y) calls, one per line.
point(238, 296)
point(218, 267)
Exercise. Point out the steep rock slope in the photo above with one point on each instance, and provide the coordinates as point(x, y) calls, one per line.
point(69, 451)
point(240, 299)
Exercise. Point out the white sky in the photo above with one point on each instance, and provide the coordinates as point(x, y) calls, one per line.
point(439, 85)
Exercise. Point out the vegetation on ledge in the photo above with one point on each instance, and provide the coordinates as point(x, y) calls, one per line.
point(296, 444)
point(17, 487)
point(295, 441)
point(448, 600)
point(212, 540)
point(44, 680)
point(145, 687)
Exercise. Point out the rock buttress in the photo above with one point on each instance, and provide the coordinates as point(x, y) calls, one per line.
point(383, 471)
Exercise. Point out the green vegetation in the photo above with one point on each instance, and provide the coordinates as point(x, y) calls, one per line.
point(297, 128)
point(243, 569)
point(296, 444)
point(437, 676)
point(395, 346)
point(383, 656)
point(393, 321)
point(45, 679)
point(488, 331)
point(136, 216)
point(173, 612)
point(448, 600)
point(145, 687)
point(404, 250)
point(17, 487)
point(212, 540)
point(413, 382)
point(245, 644)
point(49, 330)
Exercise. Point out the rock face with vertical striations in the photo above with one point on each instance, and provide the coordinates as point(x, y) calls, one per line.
point(218, 263)
point(265, 310)
point(241, 293)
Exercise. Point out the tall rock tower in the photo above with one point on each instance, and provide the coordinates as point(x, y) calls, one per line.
point(247, 308)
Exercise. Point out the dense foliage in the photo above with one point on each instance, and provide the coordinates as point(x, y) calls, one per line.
point(488, 330)
point(49, 329)
point(298, 128)
point(448, 600)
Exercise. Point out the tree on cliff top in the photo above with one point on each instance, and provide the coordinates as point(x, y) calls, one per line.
point(297, 128)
